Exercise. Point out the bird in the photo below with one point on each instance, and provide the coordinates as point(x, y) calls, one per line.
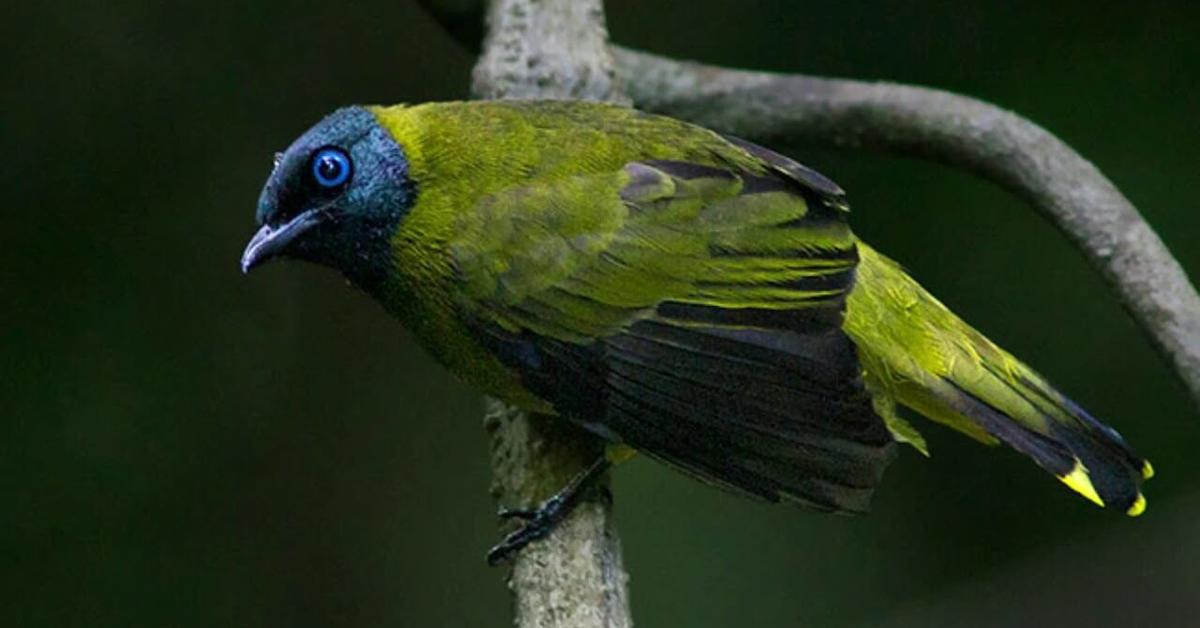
point(677, 292)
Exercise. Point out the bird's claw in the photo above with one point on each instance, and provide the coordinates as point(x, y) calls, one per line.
point(539, 523)
point(524, 514)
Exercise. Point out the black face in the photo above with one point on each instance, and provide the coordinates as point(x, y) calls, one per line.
point(336, 196)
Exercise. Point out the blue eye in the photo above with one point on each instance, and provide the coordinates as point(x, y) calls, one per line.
point(331, 167)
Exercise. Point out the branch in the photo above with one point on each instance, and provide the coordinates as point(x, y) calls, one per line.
point(958, 131)
point(954, 130)
point(546, 49)
point(574, 578)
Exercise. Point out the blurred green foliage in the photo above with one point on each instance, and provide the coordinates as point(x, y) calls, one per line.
point(184, 446)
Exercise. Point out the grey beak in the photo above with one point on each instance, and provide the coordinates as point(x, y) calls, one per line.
point(270, 241)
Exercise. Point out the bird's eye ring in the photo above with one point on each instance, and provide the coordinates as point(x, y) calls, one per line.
point(331, 167)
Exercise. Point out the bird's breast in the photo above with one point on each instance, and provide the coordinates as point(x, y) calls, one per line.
point(420, 293)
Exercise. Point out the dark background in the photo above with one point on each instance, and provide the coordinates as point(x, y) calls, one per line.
point(185, 446)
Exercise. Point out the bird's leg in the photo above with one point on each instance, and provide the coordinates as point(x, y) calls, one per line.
point(541, 521)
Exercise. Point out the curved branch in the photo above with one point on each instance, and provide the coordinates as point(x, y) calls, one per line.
point(943, 127)
point(962, 132)
point(574, 578)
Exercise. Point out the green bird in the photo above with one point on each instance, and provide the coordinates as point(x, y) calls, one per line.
point(682, 293)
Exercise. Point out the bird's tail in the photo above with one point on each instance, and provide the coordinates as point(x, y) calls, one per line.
point(917, 353)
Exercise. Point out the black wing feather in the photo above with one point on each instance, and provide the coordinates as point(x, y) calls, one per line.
point(768, 401)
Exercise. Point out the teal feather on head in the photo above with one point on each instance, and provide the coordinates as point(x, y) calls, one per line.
point(344, 187)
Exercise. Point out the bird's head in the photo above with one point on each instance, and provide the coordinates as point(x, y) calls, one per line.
point(335, 197)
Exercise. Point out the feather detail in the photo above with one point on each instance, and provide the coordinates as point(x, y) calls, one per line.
point(690, 310)
point(921, 355)
point(703, 299)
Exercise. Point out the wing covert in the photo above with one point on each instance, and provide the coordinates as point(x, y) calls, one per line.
point(690, 310)
point(589, 255)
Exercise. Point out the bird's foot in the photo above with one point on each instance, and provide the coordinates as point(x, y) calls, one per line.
point(539, 522)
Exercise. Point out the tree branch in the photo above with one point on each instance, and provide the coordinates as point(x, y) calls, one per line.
point(958, 131)
point(574, 578)
point(552, 49)
point(961, 132)
point(557, 49)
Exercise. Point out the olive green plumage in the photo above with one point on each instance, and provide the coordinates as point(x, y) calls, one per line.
point(696, 297)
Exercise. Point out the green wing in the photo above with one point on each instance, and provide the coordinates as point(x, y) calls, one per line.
point(691, 311)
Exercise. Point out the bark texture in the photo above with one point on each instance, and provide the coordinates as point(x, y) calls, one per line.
point(574, 578)
point(555, 49)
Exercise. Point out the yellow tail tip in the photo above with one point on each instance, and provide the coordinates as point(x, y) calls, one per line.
point(1138, 507)
point(616, 453)
point(1147, 470)
point(1079, 482)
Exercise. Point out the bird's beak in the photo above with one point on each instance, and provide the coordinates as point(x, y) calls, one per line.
point(270, 241)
